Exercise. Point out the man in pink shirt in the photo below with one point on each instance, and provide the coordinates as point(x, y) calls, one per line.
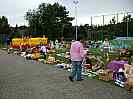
point(77, 55)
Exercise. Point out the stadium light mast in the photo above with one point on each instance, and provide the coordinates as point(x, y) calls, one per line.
point(127, 23)
point(76, 26)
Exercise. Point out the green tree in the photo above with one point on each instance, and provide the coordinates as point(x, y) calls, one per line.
point(4, 26)
point(51, 20)
point(128, 18)
point(83, 30)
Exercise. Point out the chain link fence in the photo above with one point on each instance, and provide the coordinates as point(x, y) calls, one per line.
point(3, 40)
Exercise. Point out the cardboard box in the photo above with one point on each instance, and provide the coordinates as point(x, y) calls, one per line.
point(130, 81)
point(106, 75)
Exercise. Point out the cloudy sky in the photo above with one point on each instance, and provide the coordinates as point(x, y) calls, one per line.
point(14, 10)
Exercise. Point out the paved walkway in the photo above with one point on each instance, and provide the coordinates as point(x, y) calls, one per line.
point(22, 79)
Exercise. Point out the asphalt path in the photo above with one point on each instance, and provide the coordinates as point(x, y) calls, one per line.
point(24, 79)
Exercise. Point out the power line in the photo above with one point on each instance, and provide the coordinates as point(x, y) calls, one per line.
point(114, 14)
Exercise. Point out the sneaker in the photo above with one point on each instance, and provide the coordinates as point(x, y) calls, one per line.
point(70, 78)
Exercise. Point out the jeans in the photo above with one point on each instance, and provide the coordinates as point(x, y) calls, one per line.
point(76, 69)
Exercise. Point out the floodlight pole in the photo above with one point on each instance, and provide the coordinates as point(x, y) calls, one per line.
point(127, 24)
point(103, 20)
point(117, 17)
point(76, 26)
point(91, 20)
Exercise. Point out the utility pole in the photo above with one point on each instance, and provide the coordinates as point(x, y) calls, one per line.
point(91, 20)
point(103, 20)
point(117, 18)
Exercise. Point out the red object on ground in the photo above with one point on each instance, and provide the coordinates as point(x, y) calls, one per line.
point(88, 66)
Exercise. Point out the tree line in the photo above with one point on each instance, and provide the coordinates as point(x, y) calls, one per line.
point(53, 20)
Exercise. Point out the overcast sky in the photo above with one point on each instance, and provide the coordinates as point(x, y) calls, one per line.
point(14, 10)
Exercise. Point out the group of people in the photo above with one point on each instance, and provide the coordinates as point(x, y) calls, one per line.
point(91, 44)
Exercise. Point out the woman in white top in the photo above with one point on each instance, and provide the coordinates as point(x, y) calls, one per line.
point(106, 48)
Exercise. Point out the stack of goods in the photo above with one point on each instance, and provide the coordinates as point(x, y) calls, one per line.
point(123, 52)
point(59, 61)
point(96, 63)
point(16, 52)
point(41, 60)
point(88, 63)
point(115, 65)
point(91, 65)
point(10, 50)
point(67, 55)
point(36, 53)
point(50, 60)
point(61, 55)
point(23, 53)
point(105, 75)
point(29, 56)
point(42, 56)
point(92, 74)
point(51, 51)
point(96, 67)
point(128, 70)
point(123, 76)
point(60, 65)
point(129, 84)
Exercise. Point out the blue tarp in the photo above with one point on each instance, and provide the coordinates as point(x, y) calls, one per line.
point(122, 42)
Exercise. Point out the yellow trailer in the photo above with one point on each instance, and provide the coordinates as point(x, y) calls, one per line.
point(16, 42)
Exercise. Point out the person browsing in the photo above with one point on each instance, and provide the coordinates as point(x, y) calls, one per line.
point(77, 54)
